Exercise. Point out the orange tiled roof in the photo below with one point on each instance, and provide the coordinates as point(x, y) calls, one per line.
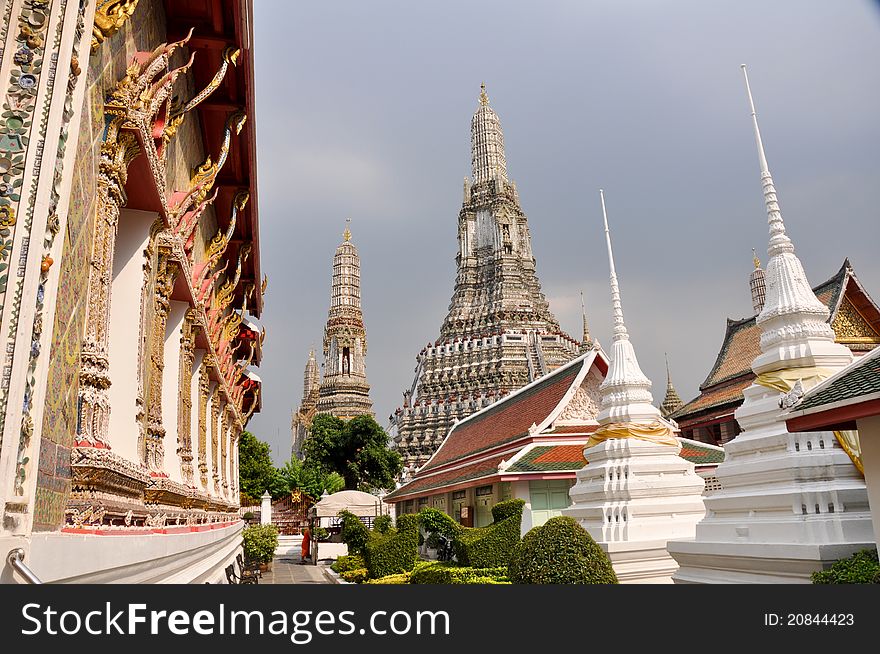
point(740, 347)
point(505, 421)
point(728, 393)
point(472, 472)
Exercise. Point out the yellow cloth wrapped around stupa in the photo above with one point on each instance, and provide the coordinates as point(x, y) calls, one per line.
point(784, 381)
point(654, 432)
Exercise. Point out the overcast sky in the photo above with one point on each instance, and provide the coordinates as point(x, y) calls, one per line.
point(364, 109)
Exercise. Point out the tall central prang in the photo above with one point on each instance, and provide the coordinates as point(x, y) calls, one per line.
point(499, 333)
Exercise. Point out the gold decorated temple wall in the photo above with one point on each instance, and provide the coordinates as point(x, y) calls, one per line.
point(188, 337)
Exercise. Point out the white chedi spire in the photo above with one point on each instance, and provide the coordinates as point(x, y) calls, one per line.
point(626, 391)
point(793, 321)
point(635, 493)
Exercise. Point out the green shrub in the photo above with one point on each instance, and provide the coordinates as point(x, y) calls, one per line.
point(320, 534)
point(437, 572)
point(560, 552)
point(248, 516)
point(395, 551)
point(434, 521)
point(354, 533)
point(487, 547)
point(402, 578)
point(382, 524)
point(356, 576)
point(346, 563)
point(260, 542)
point(861, 568)
point(507, 509)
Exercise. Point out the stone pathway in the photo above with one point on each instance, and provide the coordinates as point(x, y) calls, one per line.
point(287, 569)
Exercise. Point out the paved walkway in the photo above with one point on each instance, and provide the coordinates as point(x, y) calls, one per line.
point(287, 569)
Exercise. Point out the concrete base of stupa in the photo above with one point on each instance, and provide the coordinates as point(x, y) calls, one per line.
point(790, 505)
point(633, 497)
point(707, 562)
point(641, 562)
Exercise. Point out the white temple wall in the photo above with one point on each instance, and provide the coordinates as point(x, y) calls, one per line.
point(171, 387)
point(520, 490)
point(125, 307)
point(185, 557)
point(869, 438)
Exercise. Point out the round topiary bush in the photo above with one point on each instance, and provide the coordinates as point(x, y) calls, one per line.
point(560, 552)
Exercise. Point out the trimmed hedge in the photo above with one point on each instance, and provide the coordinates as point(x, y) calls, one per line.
point(394, 551)
point(354, 533)
point(346, 563)
point(560, 552)
point(491, 546)
point(861, 568)
point(436, 572)
point(356, 576)
point(402, 578)
point(435, 521)
point(382, 524)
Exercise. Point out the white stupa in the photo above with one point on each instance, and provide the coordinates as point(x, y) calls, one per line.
point(635, 493)
point(790, 504)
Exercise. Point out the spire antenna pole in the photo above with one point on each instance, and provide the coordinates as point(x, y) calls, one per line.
point(761, 157)
point(779, 241)
point(616, 306)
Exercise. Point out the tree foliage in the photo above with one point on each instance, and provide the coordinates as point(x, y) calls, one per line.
point(255, 470)
point(257, 474)
point(356, 449)
point(296, 475)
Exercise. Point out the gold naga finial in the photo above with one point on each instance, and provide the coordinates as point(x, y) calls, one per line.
point(347, 233)
point(484, 99)
point(264, 285)
point(756, 260)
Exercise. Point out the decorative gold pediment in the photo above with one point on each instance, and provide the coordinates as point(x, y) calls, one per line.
point(850, 326)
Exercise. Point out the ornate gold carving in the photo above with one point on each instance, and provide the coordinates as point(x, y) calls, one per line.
point(184, 412)
point(224, 437)
point(224, 295)
point(166, 272)
point(215, 438)
point(230, 56)
point(851, 327)
point(110, 16)
point(206, 173)
point(117, 152)
point(221, 240)
point(204, 396)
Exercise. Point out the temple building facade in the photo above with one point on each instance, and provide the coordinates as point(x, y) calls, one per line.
point(852, 314)
point(527, 445)
point(790, 504)
point(499, 333)
point(130, 286)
